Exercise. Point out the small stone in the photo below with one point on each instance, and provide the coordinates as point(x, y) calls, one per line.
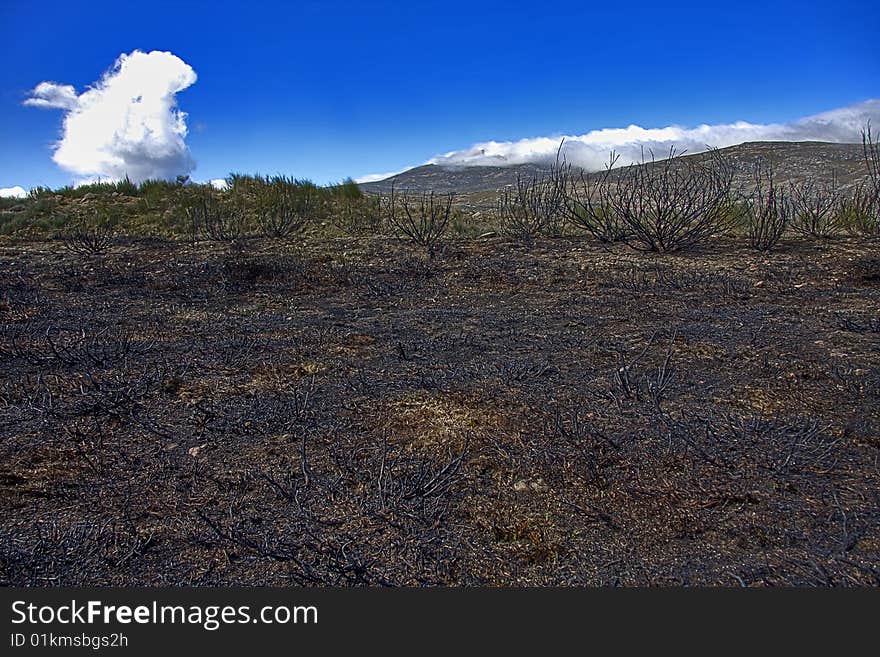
point(194, 451)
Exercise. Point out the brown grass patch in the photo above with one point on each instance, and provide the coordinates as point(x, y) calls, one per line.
point(426, 422)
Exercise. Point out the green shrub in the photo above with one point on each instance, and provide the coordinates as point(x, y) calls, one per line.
point(858, 213)
point(357, 214)
point(284, 207)
point(209, 215)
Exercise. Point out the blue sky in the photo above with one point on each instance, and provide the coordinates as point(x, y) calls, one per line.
point(328, 90)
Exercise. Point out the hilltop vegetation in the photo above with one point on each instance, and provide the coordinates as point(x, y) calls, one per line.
point(753, 190)
point(159, 208)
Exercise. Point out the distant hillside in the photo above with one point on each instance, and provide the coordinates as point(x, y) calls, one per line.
point(459, 179)
point(789, 159)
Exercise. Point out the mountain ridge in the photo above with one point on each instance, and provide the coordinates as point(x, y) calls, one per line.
point(790, 160)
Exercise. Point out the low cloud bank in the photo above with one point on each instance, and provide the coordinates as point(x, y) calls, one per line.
point(591, 150)
point(375, 177)
point(13, 192)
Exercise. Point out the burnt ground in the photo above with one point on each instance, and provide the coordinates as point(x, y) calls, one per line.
point(348, 413)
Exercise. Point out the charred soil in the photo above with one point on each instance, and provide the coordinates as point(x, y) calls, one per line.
point(352, 413)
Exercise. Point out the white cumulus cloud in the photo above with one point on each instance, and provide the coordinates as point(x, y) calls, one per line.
point(127, 123)
point(591, 150)
point(13, 192)
point(53, 95)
